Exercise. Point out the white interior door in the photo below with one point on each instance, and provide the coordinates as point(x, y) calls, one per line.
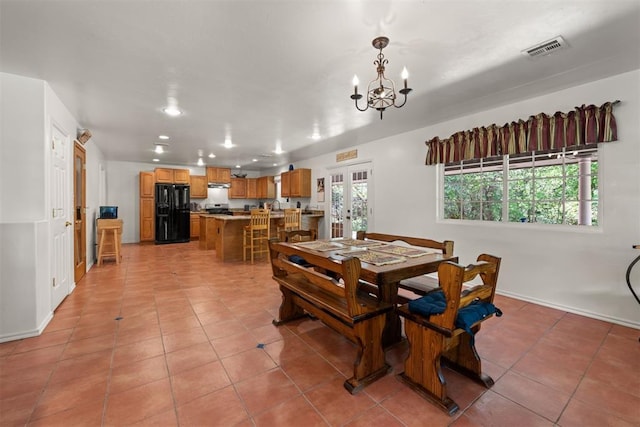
point(61, 261)
point(350, 200)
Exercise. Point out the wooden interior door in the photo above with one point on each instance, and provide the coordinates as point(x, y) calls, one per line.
point(80, 226)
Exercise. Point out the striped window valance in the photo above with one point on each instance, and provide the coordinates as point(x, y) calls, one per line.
point(582, 126)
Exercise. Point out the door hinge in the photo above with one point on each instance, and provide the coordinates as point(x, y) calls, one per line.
point(54, 282)
point(53, 144)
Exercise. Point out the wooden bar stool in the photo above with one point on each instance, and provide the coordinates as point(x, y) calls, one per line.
point(256, 235)
point(109, 243)
point(292, 220)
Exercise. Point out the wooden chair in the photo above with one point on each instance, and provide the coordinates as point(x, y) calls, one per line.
point(294, 236)
point(292, 221)
point(109, 239)
point(436, 339)
point(256, 235)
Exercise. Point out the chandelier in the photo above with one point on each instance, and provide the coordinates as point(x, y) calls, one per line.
point(381, 92)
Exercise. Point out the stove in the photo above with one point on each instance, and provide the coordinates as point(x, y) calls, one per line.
point(218, 208)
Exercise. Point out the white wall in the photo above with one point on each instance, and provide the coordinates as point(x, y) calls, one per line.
point(573, 269)
point(29, 110)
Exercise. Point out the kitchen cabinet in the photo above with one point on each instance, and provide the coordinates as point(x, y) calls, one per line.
point(238, 189)
point(195, 226)
point(147, 184)
point(181, 176)
point(296, 183)
point(172, 176)
point(266, 187)
point(219, 175)
point(147, 206)
point(198, 186)
point(164, 175)
point(252, 188)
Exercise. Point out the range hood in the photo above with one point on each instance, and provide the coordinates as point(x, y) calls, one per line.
point(219, 185)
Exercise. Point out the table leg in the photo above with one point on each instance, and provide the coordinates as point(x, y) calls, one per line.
point(392, 333)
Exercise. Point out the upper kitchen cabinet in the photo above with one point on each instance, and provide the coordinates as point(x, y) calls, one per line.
point(219, 175)
point(172, 176)
point(238, 189)
point(147, 184)
point(296, 183)
point(252, 188)
point(164, 175)
point(181, 176)
point(198, 186)
point(265, 187)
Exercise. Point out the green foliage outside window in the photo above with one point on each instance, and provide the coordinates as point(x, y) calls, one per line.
point(543, 188)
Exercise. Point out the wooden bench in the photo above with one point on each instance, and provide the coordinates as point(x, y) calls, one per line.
point(436, 338)
point(360, 318)
point(422, 284)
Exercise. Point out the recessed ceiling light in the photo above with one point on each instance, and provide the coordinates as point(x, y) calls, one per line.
point(316, 136)
point(237, 166)
point(159, 149)
point(211, 155)
point(156, 160)
point(254, 160)
point(163, 137)
point(200, 162)
point(278, 150)
point(228, 143)
point(172, 111)
point(275, 164)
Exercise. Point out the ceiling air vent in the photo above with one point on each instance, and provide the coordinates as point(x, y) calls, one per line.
point(545, 48)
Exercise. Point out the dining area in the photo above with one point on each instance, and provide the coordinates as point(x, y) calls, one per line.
point(362, 288)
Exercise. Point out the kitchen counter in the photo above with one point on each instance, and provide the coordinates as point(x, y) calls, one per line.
point(224, 232)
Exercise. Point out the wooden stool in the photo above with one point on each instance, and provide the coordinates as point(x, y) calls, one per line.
point(256, 235)
point(109, 243)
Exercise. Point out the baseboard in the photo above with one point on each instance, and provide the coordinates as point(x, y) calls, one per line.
point(27, 334)
point(585, 313)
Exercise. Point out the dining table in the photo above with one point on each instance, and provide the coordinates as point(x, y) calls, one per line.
point(383, 265)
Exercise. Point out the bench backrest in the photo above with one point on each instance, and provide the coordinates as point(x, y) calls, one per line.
point(445, 246)
point(452, 277)
point(300, 235)
point(320, 276)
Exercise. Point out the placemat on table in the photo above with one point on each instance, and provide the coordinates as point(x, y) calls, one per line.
point(375, 258)
point(402, 251)
point(320, 246)
point(356, 242)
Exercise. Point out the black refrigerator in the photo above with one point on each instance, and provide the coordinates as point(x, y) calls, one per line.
point(173, 217)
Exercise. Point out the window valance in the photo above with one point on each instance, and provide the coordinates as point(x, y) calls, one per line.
point(582, 126)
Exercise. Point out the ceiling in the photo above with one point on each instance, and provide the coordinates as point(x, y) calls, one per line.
point(268, 74)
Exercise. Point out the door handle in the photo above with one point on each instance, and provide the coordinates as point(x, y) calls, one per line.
point(67, 223)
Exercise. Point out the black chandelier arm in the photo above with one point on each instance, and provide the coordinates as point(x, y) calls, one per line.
point(356, 97)
point(404, 92)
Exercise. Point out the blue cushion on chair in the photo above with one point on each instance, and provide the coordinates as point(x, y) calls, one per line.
point(473, 313)
point(432, 303)
point(296, 259)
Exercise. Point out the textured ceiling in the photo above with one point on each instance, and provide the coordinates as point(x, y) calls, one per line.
point(271, 73)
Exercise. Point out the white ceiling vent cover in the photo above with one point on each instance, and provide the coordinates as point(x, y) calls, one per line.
point(546, 48)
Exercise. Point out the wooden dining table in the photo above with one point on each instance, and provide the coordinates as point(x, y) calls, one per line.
point(385, 277)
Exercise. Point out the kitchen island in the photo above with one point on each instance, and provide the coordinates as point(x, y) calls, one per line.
point(224, 232)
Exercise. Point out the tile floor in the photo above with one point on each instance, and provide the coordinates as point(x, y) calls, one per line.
point(172, 337)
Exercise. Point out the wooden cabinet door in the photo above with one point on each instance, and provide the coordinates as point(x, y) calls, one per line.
point(285, 184)
point(181, 176)
point(198, 186)
point(147, 184)
point(252, 188)
point(300, 183)
point(266, 187)
point(224, 175)
point(219, 175)
point(147, 217)
point(238, 189)
point(164, 175)
point(195, 226)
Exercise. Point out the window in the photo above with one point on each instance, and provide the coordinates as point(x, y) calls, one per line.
point(552, 187)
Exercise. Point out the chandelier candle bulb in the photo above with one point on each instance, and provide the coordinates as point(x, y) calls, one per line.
point(355, 84)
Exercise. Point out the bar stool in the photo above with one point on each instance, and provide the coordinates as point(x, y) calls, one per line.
point(292, 220)
point(109, 243)
point(256, 235)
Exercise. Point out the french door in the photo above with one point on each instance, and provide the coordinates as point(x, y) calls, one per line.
point(351, 194)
